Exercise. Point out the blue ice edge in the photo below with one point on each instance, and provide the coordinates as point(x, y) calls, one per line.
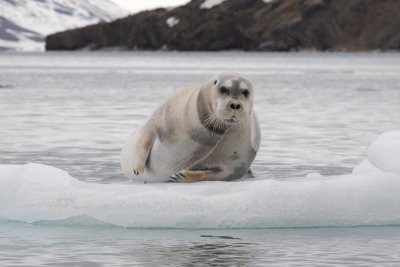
point(369, 196)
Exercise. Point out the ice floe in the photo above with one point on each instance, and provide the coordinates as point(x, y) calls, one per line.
point(370, 195)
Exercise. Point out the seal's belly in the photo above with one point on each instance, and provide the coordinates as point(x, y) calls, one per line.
point(167, 158)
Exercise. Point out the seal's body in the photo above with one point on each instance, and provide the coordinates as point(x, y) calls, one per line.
point(205, 132)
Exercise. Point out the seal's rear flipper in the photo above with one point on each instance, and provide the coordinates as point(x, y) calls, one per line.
point(196, 176)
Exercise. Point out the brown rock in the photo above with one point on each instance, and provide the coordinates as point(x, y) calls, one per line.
point(281, 25)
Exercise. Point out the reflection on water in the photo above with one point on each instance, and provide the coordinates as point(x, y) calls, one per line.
point(201, 252)
point(33, 245)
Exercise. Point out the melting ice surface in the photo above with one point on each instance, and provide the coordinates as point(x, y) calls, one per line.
point(370, 195)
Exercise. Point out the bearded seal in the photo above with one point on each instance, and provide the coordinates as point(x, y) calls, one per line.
point(207, 132)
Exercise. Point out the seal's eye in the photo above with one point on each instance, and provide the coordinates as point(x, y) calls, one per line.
point(215, 82)
point(246, 93)
point(224, 90)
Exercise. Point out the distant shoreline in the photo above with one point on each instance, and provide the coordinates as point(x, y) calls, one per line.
point(273, 26)
point(378, 52)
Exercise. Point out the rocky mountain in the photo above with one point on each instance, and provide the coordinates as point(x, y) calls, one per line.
point(272, 25)
point(25, 23)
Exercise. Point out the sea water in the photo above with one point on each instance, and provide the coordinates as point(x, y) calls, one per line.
point(318, 114)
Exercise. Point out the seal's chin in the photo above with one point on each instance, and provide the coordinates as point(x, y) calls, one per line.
point(232, 120)
point(228, 117)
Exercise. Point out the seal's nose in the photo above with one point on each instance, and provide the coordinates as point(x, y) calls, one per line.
point(235, 105)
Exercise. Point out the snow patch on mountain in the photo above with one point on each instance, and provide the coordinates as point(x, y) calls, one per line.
point(25, 23)
point(207, 4)
point(172, 21)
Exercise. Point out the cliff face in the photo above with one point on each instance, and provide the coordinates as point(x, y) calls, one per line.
point(279, 25)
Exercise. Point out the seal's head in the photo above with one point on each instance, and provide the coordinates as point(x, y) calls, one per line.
point(233, 96)
point(224, 101)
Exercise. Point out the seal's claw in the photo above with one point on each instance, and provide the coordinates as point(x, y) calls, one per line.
point(173, 179)
point(138, 169)
point(177, 177)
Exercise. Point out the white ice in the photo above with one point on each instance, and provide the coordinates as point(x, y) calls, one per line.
point(384, 153)
point(370, 195)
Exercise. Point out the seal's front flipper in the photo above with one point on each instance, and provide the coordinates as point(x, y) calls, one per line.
point(196, 176)
point(142, 149)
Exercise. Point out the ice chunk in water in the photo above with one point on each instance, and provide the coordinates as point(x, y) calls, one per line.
point(384, 152)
